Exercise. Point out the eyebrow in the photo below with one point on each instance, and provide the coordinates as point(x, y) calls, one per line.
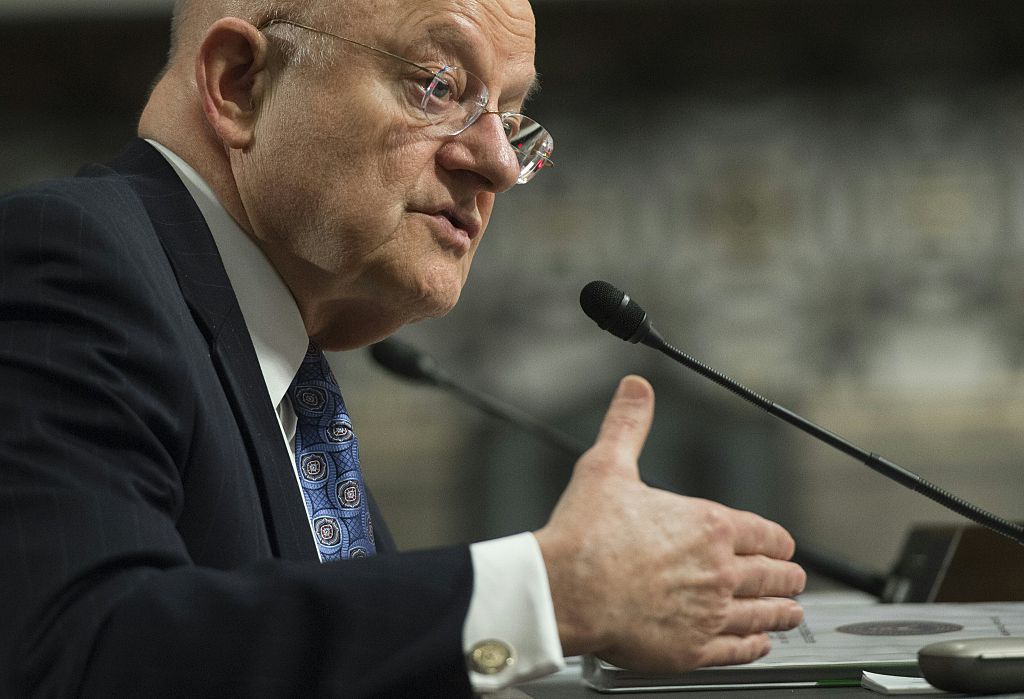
point(532, 89)
point(452, 39)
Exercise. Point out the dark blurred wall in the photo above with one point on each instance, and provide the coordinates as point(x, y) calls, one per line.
point(72, 89)
point(824, 199)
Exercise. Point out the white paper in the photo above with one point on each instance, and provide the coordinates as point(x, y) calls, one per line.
point(891, 684)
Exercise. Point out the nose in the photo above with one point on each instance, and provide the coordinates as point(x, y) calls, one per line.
point(484, 150)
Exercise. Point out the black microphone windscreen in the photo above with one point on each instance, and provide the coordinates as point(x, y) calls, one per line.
point(612, 310)
point(403, 359)
point(600, 300)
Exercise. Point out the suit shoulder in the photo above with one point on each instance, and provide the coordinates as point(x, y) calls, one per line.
point(107, 199)
point(82, 241)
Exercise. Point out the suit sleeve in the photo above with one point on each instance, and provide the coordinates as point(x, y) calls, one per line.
point(101, 594)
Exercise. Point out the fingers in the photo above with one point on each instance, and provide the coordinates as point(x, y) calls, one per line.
point(626, 425)
point(745, 638)
point(757, 535)
point(735, 650)
point(761, 576)
point(758, 615)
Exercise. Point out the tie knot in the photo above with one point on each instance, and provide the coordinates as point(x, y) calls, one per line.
point(313, 353)
point(314, 369)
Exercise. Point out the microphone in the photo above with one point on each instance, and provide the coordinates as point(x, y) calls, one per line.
point(407, 361)
point(613, 310)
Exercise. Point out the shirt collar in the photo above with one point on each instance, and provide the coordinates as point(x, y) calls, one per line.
point(274, 322)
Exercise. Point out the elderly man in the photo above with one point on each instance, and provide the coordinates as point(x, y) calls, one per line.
point(182, 510)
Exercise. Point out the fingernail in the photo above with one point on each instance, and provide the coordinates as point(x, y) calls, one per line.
point(631, 387)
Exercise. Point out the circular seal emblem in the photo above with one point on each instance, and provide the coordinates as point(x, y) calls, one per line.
point(339, 431)
point(311, 399)
point(898, 628)
point(327, 531)
point(314, 466)
point(348, 494)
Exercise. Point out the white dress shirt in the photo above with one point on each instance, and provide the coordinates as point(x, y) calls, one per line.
point(511, 602)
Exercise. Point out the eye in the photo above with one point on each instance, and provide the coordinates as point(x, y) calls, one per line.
point(511, 124)
point(443, 90)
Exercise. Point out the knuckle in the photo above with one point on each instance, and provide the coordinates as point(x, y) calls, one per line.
point(714, 620)
point(728, 578)
point(795, 616)
point(784, 615)
point(755, 646)
point(758, 579)
point(598, 460)
point(759, 647)
point(788, 545)
point(744, 650)
point(624, 422)
point(799, 580)
point(717, 523)
point(760, 620)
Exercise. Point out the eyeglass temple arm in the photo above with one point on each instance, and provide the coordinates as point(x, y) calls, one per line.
point(271, 22)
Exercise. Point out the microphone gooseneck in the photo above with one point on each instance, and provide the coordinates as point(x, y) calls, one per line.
point(409, 362)
point(615, 311)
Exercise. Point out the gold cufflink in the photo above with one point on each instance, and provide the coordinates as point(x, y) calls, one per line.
point(490, 657)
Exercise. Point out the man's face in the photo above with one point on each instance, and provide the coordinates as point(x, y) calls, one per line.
point(371, 217)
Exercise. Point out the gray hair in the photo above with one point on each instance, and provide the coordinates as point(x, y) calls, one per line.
point(296, 46)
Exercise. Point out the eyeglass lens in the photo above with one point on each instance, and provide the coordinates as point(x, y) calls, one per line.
point(455, 98)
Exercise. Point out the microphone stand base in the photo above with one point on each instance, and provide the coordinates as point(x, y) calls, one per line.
point(956, 563)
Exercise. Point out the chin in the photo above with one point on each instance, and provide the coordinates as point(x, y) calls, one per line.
point(440, 308)
point(437, 296)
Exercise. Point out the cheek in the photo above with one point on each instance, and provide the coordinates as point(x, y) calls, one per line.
point(384, 172)
point(485, 205)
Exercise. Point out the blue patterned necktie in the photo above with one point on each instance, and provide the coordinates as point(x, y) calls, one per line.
point(327, 459)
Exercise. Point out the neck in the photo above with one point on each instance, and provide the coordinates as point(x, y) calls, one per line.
point(173, 117)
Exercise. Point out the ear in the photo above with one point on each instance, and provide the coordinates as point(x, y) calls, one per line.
point(232, 75)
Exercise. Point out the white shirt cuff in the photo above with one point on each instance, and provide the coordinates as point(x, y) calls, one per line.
point(510, 634)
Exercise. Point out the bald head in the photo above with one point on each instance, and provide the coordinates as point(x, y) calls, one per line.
point(192, 18)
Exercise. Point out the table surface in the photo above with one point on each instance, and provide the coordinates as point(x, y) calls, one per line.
point(568, 685)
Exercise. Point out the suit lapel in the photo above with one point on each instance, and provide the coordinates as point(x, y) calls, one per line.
point(193, 255)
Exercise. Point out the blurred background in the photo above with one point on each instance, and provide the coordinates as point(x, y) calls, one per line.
point(823, 199)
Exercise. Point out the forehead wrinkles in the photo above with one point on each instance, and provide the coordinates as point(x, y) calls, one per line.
point(494, 38)
point(358, 15)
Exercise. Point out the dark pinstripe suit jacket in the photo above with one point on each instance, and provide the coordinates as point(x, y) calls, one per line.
point(152, 539)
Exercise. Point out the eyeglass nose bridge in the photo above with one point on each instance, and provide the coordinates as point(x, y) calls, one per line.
point(516, 163)
point(528, 164)
point(474, 116)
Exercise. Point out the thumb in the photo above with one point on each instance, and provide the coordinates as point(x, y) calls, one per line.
point(626, 425)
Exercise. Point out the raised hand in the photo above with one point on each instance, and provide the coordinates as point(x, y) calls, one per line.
point(654, 581)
